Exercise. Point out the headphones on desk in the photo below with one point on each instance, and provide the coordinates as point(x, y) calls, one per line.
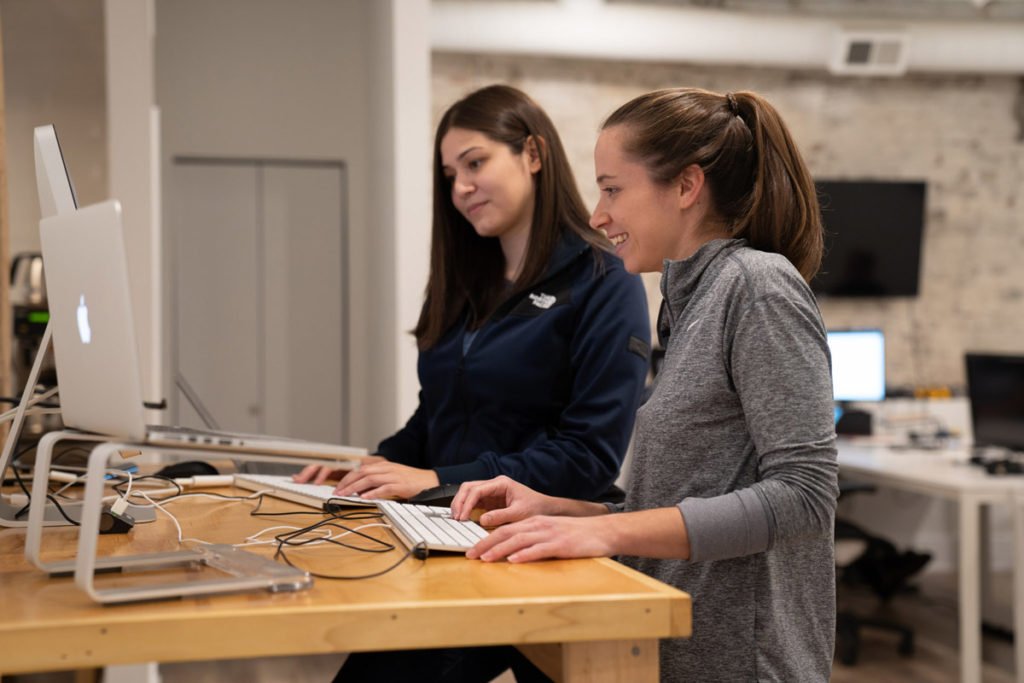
point(1011, 463)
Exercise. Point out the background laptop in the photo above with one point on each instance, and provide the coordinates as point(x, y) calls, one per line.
point(94, 341)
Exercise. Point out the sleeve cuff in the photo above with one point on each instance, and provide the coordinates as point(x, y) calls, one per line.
point(731, 525)
point(456, 474)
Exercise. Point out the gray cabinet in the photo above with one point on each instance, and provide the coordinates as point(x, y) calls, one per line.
point(259, 296)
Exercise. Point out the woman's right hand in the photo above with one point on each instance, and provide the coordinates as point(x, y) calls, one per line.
point(318, 474)
point(505, 499)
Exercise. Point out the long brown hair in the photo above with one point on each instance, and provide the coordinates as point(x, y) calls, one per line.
point(759, 183)
point(467, 270)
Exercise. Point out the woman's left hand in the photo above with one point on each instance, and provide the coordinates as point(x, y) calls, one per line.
point(539, 538)
point(381, 478)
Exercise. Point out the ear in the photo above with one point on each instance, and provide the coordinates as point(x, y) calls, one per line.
point(532, 150)
point(689, 185)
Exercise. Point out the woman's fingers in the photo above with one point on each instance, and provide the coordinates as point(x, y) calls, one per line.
point(474, 494)
point(506, 515)
point(312, 473)
point(499, 544)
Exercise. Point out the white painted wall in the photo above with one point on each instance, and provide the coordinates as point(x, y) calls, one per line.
point(133, 155)
point(54, 72)
point(318, 79)
point(402, 187)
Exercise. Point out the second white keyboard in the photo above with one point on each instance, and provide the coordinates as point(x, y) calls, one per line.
point(432, 528)
point(313, 495)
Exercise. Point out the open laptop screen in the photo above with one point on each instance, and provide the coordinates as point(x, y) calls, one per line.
point(995, 387)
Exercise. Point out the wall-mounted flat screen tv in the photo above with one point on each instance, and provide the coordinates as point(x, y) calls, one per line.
point(873, 231)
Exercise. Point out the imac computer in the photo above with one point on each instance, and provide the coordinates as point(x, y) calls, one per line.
point(995, 387)
point(56, 196)
point(858, 375)
point(53, 182)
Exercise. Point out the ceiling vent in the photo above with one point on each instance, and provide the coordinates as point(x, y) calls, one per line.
point(870, 52)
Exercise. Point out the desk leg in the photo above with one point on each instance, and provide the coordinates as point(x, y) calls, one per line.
point(598, 662)
point(970, 591)
point(1018, 584)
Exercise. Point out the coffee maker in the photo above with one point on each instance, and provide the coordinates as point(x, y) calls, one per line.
point(30, 316)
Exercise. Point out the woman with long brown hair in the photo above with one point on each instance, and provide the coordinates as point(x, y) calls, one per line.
point(734, 478)
point(533, 341)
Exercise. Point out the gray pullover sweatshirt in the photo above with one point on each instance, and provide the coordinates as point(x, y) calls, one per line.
point(739, 434)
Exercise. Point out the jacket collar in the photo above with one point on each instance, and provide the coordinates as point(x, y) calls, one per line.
point(568, 249)
point(679, 279)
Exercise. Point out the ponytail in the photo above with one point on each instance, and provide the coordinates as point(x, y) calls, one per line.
point(783, 215)
point(759, 182)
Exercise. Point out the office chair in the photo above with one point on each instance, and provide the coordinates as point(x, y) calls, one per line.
point(875, 562)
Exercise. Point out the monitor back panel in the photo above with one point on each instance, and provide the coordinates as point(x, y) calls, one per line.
point(93, 330)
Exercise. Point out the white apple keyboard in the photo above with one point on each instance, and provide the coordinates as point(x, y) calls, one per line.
point(313, 495)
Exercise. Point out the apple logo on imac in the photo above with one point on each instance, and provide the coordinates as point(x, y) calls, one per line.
point(84, 331)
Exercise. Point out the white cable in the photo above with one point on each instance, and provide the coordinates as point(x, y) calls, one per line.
point(8, 416)
point(323, 541)
point(31, 402)
point(81, 479)
point(161, 508)
point(128, 491)
point(255, 538)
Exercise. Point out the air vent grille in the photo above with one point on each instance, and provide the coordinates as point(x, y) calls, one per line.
point(878, 53)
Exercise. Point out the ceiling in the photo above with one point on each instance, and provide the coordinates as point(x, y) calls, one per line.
point(951, 10)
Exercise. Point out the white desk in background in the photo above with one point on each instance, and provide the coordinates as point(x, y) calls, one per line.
point(946, 474)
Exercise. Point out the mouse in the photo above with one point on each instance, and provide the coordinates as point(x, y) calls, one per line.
point(189, 468)
point(436, 496)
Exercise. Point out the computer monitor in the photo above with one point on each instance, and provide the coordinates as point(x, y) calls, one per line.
point(873, 237)
point(56, 196)
point(995, 387)
point(858, 365)
point(53, 182)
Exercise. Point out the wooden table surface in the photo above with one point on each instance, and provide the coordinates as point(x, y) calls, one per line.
point(578, 619)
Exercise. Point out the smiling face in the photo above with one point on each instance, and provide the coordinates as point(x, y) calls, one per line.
point(641, 218)
point(491, 184)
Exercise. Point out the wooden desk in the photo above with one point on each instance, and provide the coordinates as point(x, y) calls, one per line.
point(946, 474)
point(594, 620)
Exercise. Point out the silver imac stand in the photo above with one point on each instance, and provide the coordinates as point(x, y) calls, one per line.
point(244, 570)
point(50, 515)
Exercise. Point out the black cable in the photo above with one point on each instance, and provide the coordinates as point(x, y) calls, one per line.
point(289, 539)
point(17, 474)
point(49, 497)
point(256, 510)
point(121, 486)
point(421, 547)
point(21, 484)
point(294, 538)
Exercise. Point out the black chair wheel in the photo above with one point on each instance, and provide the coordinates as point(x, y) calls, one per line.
point(906, 648)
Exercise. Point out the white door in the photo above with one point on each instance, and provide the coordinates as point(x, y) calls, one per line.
point(260, 328)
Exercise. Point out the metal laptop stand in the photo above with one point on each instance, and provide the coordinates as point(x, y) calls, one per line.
point(247, 571)
point(51, 515)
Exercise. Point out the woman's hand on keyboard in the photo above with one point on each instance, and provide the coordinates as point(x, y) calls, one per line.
point(381, 478)
point(506, 499)
point(317, 474)
point(509, 501)
point(543, 537)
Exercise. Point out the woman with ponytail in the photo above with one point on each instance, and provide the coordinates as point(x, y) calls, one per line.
point(734, 478)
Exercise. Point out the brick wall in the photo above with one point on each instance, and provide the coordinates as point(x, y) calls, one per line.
point(958, 133)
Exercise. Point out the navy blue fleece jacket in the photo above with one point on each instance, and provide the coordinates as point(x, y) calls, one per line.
point(546, 391)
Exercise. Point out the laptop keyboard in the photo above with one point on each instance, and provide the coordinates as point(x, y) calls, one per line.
point(431, 527)
point(313, 495)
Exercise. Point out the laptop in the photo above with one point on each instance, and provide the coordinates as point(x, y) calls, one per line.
point(95, 350)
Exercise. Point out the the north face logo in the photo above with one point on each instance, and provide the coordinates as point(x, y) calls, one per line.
point(543, 300)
